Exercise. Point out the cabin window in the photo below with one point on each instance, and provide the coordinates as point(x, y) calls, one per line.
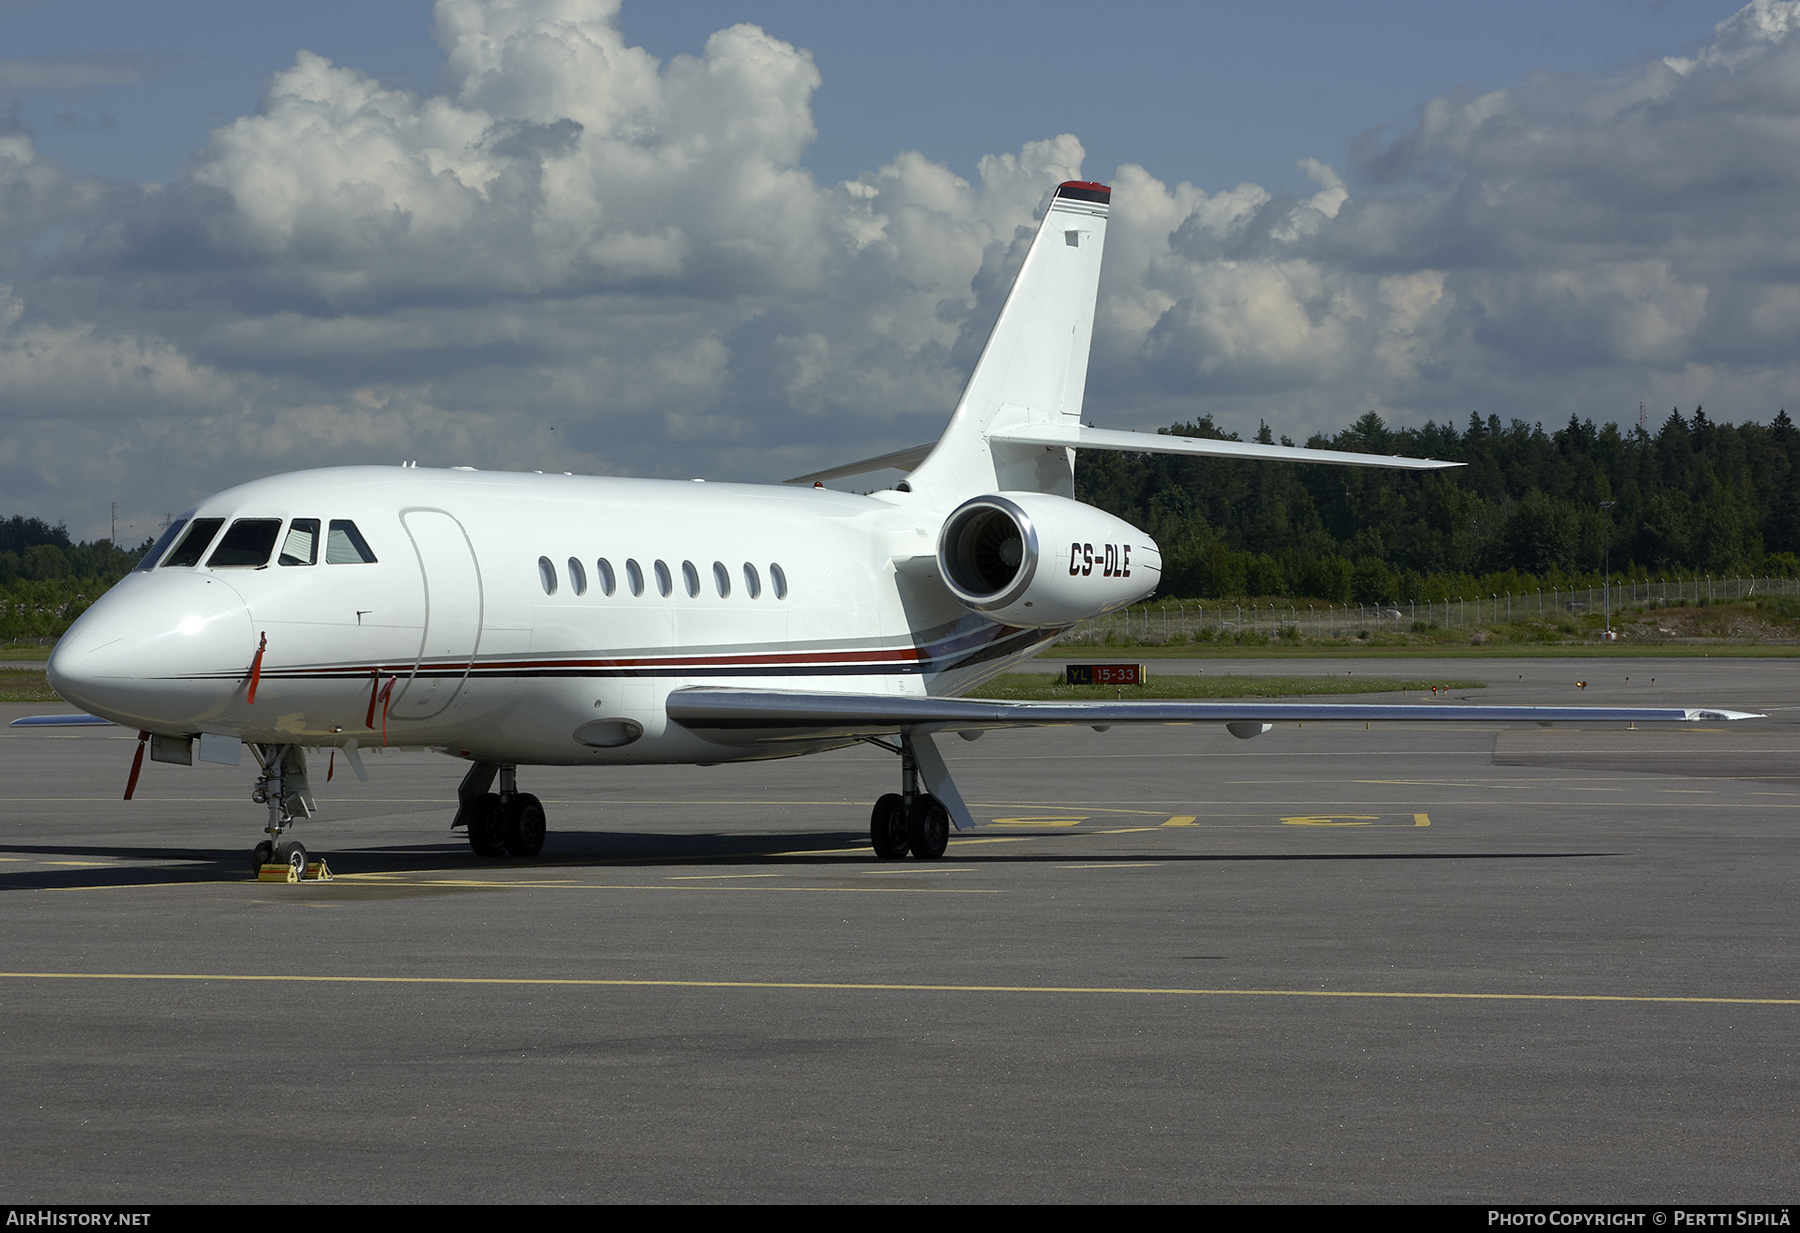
point(752, 583)
point(162, 544)
point(721, 580)
point(344, 545)
point(547, 575)
point(778, 580)
point(690, 578)
point(248, 542)
point(635, 576)
point(608, 583)
point(577, 576)
point(301, 547)
point(199, 535)
point(664, 583)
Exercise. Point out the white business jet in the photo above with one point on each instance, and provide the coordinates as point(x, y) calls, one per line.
point(514, 620)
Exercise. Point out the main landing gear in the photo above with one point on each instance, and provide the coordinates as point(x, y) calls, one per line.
point(504, 823)
point(283, 788)
point(908, 820)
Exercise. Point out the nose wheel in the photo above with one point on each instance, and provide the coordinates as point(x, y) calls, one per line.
point(292, 855)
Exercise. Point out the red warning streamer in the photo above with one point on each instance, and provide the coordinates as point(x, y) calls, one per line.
point(386, 691)
point(137, 764)
point(256, 670)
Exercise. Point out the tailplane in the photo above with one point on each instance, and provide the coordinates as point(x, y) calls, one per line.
point(1018, 424)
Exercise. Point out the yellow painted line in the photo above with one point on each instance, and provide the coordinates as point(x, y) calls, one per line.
point(80, 864)
point(888, 869)
point(1116, 865)
point(713, 877)
point(877, 987)
point(662, 886)
point(1420, 819)
point(1181, 820)
point(808, 890)
point(1340, 819)
point(1058, 820)
point(843, 890)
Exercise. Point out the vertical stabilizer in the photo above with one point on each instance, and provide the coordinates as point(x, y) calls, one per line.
point(1034, 368)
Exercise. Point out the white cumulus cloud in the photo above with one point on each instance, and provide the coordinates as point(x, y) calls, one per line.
point(574, 256)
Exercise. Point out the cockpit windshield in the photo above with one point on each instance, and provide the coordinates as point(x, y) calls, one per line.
point(344, 545)
point(301, 547)
point(162, 543)
point(247, 544)
point(194, 543)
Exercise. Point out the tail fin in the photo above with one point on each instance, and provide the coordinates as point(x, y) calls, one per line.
point(1033, 370)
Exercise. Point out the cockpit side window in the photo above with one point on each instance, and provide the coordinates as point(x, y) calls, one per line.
point(248, 542)
point(344, 545)
point(301, 547)
point(194, 543)
point(162, 544)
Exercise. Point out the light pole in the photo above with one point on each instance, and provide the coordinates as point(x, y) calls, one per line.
point(1606, 592)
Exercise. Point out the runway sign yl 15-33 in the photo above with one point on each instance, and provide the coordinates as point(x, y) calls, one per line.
point(1104, 674)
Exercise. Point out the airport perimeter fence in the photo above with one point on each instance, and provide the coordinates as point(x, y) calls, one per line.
point(1200, 621)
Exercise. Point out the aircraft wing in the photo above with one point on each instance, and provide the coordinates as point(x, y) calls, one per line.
point(732, 715)
point(60, 721)
point(900, 460)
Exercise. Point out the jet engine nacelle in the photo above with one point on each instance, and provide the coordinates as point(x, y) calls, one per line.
point(1032, 559)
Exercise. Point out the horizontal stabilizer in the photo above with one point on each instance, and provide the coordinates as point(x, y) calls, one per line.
point(899, 460)
point(750, 715)
point(1081, 437)
point(60, 721)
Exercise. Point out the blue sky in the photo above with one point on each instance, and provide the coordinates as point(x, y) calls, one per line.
point(749, 240)
point(1215, 93)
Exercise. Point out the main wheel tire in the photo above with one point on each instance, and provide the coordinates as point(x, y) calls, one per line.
point(525, 825)
point(928, 827)
point(293, 855)
point(887, 827)
point(265, 852)
point(487, 832)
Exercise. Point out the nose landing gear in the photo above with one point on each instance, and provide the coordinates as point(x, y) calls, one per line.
point(504, 823)
point(283, 788)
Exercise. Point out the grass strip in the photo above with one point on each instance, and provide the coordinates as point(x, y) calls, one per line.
point(25, 685)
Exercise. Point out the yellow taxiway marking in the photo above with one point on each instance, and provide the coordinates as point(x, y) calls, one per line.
point(887, 870)
point(1420, 819)
point(1181, 820)
point(572, 884)
point(1116, 865)
point(714, 877)
point(879, 987)
point(1341, 819)
point(1062, 820)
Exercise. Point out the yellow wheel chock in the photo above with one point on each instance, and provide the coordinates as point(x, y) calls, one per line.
point(316, 871)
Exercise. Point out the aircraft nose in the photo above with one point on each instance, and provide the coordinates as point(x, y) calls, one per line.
point(161, 650)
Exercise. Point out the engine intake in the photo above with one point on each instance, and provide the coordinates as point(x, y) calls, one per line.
point(989, 547)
